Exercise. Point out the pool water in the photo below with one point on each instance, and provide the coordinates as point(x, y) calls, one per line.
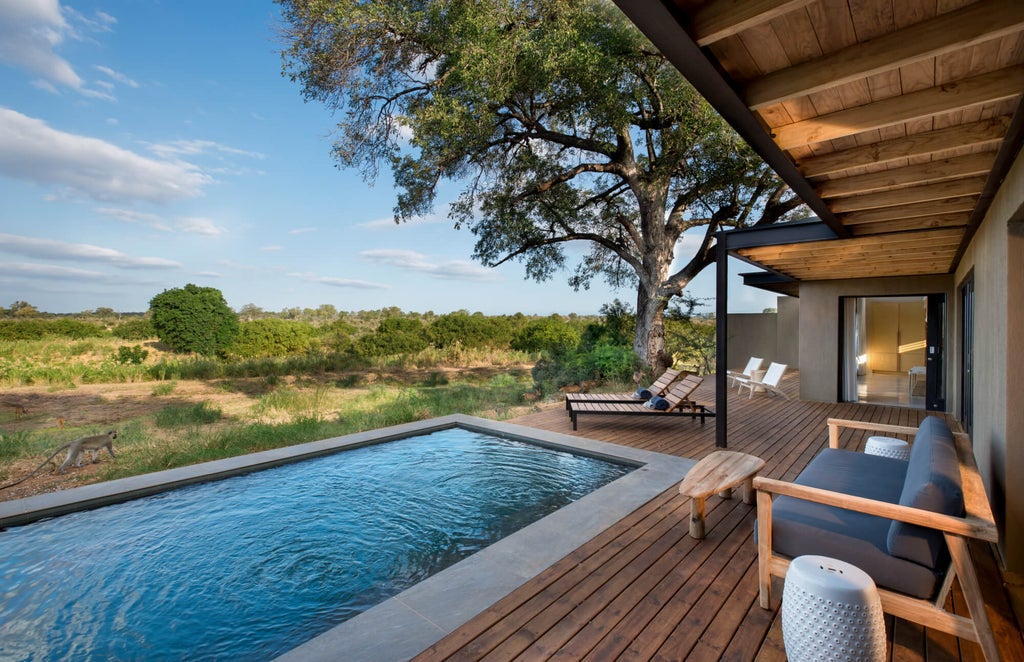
point(251, 566)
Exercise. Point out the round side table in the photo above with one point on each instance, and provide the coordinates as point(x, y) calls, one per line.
point(888, 447)
point(831, 611)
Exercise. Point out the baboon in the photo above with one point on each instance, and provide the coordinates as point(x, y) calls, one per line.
point(94, 443)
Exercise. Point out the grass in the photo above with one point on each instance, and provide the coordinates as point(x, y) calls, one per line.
point(181, 434)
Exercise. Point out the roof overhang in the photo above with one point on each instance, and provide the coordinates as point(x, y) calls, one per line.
point(896, 124)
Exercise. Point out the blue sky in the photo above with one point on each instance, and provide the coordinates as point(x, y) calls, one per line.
point(146, 144)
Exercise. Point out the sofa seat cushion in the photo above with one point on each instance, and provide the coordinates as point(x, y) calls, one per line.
point(932, 483)
point(802, 527)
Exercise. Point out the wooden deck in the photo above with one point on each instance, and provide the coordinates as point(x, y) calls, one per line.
point(645, 590)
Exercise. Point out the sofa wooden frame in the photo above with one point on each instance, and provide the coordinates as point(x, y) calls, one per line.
point(977, 523)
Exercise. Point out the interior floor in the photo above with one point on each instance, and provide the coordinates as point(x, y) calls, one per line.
point(890, 388)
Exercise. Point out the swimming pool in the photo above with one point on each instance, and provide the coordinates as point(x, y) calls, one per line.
point(281, 566)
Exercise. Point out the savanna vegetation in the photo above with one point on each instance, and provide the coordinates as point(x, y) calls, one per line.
point(287, 377)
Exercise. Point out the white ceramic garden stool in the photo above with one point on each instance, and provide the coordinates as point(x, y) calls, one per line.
point(831, 612)
point(888, 447)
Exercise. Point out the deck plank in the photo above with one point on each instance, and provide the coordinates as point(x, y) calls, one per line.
point(645, 590)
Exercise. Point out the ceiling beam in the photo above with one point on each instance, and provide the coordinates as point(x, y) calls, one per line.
point(993, 86)
point(985, 132)
point(903, 225)
point(951, 205)
point(970, 25)
point(663, 26)
point(921, 173)
point(719, 19)
point(906, 196)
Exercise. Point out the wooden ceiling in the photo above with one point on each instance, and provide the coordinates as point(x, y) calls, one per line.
point(895, 120)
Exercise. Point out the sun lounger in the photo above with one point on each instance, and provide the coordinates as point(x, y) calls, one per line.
point(677, 397)
point(659, 387)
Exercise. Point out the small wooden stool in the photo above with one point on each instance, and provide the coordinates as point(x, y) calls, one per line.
point(718, 472)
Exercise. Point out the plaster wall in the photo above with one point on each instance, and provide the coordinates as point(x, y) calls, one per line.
point(996, 256)
point(819, 325)
point(752, 334)
point(788, 342)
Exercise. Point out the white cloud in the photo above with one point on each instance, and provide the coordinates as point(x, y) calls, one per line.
point(49, 249)
point(116, 76)
point(272, 248)
point(48, 271)
point(32, 150)
point(413, 261)
point(32, 31)
point(130, 216)
point(176, 148)
point(389, 222)
point(302, 230)
point(340, 282)
point(199, 225)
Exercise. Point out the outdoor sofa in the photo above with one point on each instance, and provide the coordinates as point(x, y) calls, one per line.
point(905, 523)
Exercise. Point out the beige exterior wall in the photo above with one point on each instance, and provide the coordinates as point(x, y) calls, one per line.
point(771, 336)
point(819, 326)
point(996, 256)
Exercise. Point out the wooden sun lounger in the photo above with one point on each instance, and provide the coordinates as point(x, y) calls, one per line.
point(678, 396)
point(659, 387)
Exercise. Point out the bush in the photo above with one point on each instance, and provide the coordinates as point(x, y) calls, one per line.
point(137, 329)
point(272, 337)
point(194, 319)
point(471, 331)
point(394, 335)
point(33, 329)
point(133, 355)
point(549, 334)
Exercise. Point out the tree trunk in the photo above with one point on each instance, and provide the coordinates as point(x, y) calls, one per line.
point(649, 342)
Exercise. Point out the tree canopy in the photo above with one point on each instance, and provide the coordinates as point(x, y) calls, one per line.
point(558, 119)
point(194, 319)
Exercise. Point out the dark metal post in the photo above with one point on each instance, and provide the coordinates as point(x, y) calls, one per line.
point(721, 337)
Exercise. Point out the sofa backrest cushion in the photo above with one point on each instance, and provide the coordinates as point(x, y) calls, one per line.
point(932, 483)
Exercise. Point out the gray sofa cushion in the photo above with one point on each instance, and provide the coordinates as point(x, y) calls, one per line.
point(932, 483)
point(802, 527)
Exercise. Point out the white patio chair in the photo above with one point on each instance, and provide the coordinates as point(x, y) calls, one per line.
point(753, 364)
point(769, 383)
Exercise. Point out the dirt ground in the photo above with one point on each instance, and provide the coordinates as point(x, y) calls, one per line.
point(107, 406)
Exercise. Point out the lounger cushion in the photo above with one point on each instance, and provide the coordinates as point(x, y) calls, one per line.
point(932, 483)
point(643, 394)
point(803, 527)
point(658, 403)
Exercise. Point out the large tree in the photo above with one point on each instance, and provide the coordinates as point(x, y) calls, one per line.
point(557, 117)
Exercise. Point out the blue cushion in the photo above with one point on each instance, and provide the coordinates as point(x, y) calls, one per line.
point(803, 527)
point(659, 403)
point(932, 483)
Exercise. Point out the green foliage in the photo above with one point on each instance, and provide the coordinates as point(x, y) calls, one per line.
point(134, 355)
point(32, 329)
point(550, 333)
point(472, 331)
point(135, 329)
point(164, 388)
point(272, 337)
point(559, 119)
point(394, 335)
point(194, 319)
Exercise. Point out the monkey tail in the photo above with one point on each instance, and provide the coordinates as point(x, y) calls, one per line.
point(38, 469)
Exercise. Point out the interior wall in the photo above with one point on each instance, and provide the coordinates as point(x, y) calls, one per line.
point(996, 254)
point(819, 325)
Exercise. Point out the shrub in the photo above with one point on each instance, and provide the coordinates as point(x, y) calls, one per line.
point(471, 331)
point(137, 329)
point(33, 329)
point(194, 319)
point(133, 355)
point(394, 335)
point(272, 337)
point(551, 334)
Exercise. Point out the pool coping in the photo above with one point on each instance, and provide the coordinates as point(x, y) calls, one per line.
point(402, 626)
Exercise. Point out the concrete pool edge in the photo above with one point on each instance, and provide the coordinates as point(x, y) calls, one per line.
point(403, 626)
point(410, 622)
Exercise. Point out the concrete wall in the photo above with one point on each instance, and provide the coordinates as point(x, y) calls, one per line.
point(819, 326)
point(772, 336)
point(996, 255)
